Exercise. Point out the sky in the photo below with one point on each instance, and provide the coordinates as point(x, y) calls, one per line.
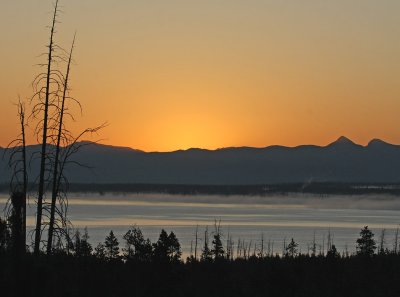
point(168, 75)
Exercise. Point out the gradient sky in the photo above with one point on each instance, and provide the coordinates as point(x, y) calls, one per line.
point(175, 74)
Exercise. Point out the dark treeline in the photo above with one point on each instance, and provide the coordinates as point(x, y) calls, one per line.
point(138, 267)
point(301, 276)
point(265, 189)
point(66, 264)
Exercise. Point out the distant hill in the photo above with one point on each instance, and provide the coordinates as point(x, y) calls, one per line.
point(340, 161)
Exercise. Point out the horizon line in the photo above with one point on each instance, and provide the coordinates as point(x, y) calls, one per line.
point(341, 139)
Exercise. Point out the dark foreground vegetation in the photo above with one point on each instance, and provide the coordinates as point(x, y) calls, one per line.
point(67, 265)
point(216, 268)
point(63, 275)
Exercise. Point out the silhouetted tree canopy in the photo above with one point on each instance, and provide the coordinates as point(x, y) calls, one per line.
point(167, 248)
point(100, 251)
point(218, 250)
point(366, 244)
point(332, 252)
point(291, 249)
point(111, 246)
point(137, 248)
point(80, 244)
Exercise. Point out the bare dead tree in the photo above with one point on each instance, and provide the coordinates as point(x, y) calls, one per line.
point(61, 224)
point(238, 253)
point(58, 145)
point(195, 245)
point(25, 171)
point(57, 153)
point(206, 252)
point(44, 106)
point(269, 251)
point(381, 249)
point(314, 247)
point(51, 109)
point(272, 248)
point(228, 246)
point(19, 181)
point(284, 247)
point(396, 240)
point(329, 240)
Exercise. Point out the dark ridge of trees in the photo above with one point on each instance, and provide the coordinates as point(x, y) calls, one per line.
point(305, 276)
point(265, 189)
point(322, 189)
point(145, 269)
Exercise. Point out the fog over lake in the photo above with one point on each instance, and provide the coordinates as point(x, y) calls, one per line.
point(277, 218)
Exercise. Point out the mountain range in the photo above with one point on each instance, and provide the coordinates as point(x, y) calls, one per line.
point(341, 161)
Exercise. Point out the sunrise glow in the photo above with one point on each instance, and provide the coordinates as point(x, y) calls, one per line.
point(178, 74)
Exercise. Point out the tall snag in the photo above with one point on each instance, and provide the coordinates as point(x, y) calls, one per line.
point(18, 184)
point(21, 113)
point(56, 180)
point(44, 123)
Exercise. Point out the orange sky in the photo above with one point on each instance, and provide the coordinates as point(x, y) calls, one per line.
point(170, 75)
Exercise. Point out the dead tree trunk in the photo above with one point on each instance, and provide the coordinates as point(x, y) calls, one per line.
point(195, 246)
point(18, 184)
point(25, 172)
point(44, 138)
point(57, 154)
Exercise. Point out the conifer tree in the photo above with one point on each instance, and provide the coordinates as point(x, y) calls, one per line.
point(218, 250)
point(137, 248)
point(100, 251)
point(111, 246)
point(366, 244)
point(291, 249)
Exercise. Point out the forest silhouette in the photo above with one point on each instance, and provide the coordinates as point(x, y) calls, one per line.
point(60, 260)
point(138, 267)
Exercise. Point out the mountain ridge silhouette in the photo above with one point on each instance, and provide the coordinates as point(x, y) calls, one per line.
point(340, 161)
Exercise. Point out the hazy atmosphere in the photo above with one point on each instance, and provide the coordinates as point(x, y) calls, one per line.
point(204, 148)
point(170, 75)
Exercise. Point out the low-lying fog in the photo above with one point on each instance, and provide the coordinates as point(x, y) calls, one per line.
point(277, 218)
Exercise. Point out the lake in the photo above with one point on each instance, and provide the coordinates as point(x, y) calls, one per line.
point(276, 218)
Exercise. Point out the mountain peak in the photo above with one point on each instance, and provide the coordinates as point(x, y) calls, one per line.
point(376, 142)
point(342, 141)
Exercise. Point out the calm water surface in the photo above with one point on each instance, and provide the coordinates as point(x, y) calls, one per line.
point(276, 219)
